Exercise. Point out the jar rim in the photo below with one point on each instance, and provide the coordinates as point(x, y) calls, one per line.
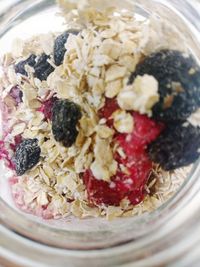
point(156, 219)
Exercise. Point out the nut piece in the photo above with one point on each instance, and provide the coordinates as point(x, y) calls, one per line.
point(141, 95)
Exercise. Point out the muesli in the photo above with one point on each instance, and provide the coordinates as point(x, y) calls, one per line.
point(98, 120)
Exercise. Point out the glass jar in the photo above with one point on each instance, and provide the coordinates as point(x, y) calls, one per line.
point(169, 236)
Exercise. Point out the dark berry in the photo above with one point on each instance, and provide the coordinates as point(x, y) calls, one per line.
point(65, 117)
point(47, 107)
point(20, 67)
point(27, 155)
point(177, 146)
point(179, 83)
point(42, 67)
point(59, 46)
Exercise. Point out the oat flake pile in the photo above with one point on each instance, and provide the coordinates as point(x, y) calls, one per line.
point(98, 120)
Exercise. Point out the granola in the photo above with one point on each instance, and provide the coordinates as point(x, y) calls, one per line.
point(101, 49)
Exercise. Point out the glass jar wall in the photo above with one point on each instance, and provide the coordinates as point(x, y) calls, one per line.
point(167, 237)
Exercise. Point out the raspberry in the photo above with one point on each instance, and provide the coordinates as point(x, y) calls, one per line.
point(17, 141)
point(145, 131)
point(129, 185)
point(47, 107)
point(122, 185)
point(100, 192)
point(4, 155)
point(108, 109)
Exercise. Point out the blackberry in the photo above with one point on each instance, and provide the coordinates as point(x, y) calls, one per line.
point(27, 155)
point(20, 67)
point(42, 67)
point(177, 146)
point(179, 83)
point(65, 116)
point(59, 46)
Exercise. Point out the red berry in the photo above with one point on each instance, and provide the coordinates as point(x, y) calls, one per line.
point(4, 155)
point(17, 141)
point(145, 131)
point(121, 186)
point(138, 166)
point(46, 107)
point(100, 192)
point(108, 109)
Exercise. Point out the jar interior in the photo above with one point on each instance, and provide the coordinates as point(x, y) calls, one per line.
point(41, 17)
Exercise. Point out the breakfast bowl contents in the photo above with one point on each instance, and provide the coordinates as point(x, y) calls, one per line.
point(99, 120)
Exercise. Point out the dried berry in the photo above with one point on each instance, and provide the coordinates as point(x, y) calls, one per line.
point(145, 131)
point(100, 192)
point(131, 183)
point(122, 185)
point(59, 46)
point(177, 146)
point(65, 117)
point(27, 155)
point(20, 67)
point(42, 67)
point(179, 83)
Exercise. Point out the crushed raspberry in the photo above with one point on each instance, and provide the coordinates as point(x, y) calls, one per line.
point(5, 156)
point(99, 191)
point(46, 107)
point(145, 131)
point(17, 141)
point(16, 94)
point(121, 186)
point(108, 109)
point(4, 152)
point(18, 194)
point(138, 166)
